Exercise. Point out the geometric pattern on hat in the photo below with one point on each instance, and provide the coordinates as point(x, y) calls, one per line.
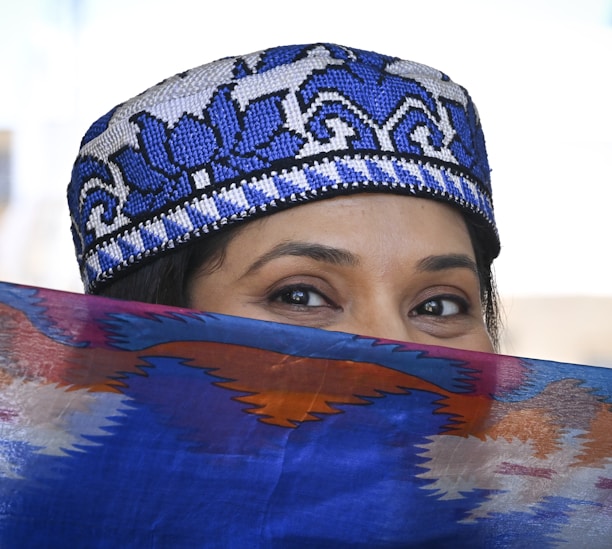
point(246, 136)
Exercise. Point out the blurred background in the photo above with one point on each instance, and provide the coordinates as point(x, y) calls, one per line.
point(540, 72)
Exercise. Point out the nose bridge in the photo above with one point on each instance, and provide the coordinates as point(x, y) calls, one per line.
point(381, 316)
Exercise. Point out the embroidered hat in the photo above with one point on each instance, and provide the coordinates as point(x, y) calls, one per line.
point(247, 136)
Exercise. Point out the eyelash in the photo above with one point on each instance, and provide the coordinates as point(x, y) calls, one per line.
point(286, 291)
point(420, 310)
point(461, 304)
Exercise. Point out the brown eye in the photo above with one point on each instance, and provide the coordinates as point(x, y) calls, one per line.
point(442, 306)
point(300, 295)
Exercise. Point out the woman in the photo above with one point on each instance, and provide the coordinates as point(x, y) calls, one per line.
point(188, 195)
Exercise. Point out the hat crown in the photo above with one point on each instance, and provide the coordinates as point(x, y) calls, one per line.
point(245, 135)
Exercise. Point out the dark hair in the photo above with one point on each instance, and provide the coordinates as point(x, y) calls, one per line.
point(488, 289)
point(166, 279)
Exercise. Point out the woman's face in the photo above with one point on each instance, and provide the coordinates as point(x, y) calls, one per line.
point(378, 265)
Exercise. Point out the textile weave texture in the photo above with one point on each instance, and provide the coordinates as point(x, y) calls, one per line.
point(137, 426)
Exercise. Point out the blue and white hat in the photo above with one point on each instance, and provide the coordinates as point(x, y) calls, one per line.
point(247, 136)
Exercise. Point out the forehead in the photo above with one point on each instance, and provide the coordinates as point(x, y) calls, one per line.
point(365, 224)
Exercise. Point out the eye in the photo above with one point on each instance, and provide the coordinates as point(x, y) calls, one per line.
point(301, 296)
point(445, 305)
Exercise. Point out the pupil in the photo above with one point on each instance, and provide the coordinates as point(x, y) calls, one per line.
point(299, 297)
point(433, 307)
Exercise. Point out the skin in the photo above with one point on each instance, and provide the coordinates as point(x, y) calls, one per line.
point(386, 266)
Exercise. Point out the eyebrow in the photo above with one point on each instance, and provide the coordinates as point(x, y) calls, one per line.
point(318, 252)
point(435, 263)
